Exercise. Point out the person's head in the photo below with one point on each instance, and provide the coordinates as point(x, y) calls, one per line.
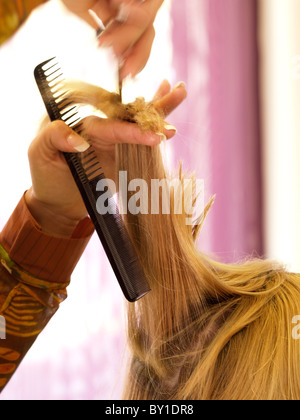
point(206, 330)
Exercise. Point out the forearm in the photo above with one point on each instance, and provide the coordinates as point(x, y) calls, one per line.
point(51, 223)
point(25, 311)
point(35, 270)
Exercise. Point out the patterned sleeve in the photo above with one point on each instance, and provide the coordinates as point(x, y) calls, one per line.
point(35, 271)
point(13, 13)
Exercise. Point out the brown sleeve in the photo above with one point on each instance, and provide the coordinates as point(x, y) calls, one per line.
point(35, 270)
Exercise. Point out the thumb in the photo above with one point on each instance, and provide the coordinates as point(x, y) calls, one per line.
point(58, 137)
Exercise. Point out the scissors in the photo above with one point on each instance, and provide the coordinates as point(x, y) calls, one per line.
point(120, 84)
point(101, 28)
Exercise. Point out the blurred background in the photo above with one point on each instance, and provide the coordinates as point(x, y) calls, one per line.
point(238, 130)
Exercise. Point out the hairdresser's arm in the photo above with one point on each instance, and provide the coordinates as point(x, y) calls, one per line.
point(129, 28)
point(35, 270)
point(36, 261)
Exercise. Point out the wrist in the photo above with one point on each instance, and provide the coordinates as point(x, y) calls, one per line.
point(51, 221)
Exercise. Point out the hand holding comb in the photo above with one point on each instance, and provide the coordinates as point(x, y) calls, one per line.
point(87, 172)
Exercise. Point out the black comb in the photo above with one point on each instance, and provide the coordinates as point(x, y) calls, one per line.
point(87, 172)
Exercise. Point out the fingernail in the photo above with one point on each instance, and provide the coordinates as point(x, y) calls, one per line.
point(97, 20)
point(180, 84)
point(162, 136)
point(78, 143)
point(170, 127)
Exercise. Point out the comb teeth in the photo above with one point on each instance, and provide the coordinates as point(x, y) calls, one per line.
point(54, 78)
point(90, 164)
point(51, 81)
point(59, 106)
point(49, 78)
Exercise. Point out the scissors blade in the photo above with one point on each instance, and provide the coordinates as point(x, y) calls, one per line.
point(120, 86)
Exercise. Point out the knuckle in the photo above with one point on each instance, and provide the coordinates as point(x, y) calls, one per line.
point(89, 127)
point(56, 126)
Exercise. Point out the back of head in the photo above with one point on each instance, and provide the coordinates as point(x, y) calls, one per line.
point(207, 330)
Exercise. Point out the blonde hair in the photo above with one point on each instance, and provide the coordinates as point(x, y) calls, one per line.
point(207, 330)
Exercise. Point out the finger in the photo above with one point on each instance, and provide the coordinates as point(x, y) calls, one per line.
point(54, 138)
point(136, 11)
point(125, 31)
point(80, 6)
point(102, 8)
point(163, 90)
point(105, 132)
point(169, 102)
point(105, 10)
point(120, 36)
point(137, 56)
point(169, 131)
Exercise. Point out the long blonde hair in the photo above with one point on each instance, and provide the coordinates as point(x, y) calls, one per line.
point(207, 330)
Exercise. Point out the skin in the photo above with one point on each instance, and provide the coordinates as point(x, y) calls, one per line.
point(129, 28)
point(53, 199)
